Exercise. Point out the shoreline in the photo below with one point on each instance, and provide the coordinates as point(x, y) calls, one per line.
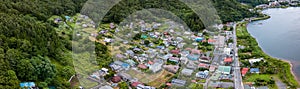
point(281, 59)
point(291, 69)
point(290, 78)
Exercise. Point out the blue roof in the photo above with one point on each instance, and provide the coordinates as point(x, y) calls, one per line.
point(193, 57)
point(27, 84)
point(254, 70)
point(125, 65)
point(68, 17)
point(198, 39)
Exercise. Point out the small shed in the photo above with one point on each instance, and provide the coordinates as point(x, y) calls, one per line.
point(254, 70)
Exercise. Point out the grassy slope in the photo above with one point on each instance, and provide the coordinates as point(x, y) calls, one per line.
point(284, 72)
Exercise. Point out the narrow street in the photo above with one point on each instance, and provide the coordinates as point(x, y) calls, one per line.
point(238, 83)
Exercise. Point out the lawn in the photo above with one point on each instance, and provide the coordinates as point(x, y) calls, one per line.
point(252, 78)
point(155, 80)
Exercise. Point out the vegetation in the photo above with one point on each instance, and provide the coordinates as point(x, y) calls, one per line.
point(254, 2)
point(271, 65)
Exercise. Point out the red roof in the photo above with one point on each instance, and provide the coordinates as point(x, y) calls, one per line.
point(116, 79)
point(150, 62)
point(142, 66)
point(228, 59)
point(244, 71)
point(211, 40)
point(134, 84)
point(203, 65)
point(175, 51)
point(195, 51)
point(168, 84)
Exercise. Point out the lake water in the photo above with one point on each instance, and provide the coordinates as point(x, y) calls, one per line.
point(279, 36)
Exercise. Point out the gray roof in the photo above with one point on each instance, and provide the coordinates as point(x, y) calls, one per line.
point(106, 87)
point(186, 71)
point(178, 82)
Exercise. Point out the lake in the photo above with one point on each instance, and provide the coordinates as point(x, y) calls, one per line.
point(279, 36)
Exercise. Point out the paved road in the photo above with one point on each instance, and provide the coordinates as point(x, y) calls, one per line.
point(238, 83)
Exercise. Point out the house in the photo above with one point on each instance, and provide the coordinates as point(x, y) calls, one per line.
point(171, 68)
point(130, 62)
point(202, 74)
point(106, 87)
point(191, 65)
point(211, 41)
point(135, 84)
point(254, 70)
point(142, 66)
point(224, 69)
point(199, 39)
point(29, 85)
point(115, 67)
point(193, 57)
point(141, 86)
point(228, 60)
point(220, 41)
point(227, 51)
point(116, 79)
point(120, 56)
point(174, 59)
point(125, 77)
point(178, 82)
point(187, 72)
point(203, 65)
point(195, 51)
point(156, 67)
point(263, 87)
point(175, 51)
point(251, 61)
point(244, 71)
point(212, 68)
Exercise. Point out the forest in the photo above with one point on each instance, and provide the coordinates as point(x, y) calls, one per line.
point(30, 50)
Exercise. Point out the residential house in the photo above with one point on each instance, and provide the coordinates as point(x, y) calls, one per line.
point(244, 71)
point(251, 61)
point(29, 85)
point(125, 76)
point(227, 51)
point(191, 65)
point(174, 59)
point(193, 57)
point(202, 74)
point(263, 87)
point(142, 66)
point(254, 70)
point(171, 68)
point(212, 68)
point(135, 84)
point(116, 79)
point(187, 72)
point(203, 65)
point(106, 87)
point(178, 82)
point(130, 62)
point(228, 60)
point(156, 67)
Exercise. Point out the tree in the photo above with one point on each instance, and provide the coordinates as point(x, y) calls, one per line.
point(26, 70)
point(123, 85)
point(43, 68)
point(8, 80)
